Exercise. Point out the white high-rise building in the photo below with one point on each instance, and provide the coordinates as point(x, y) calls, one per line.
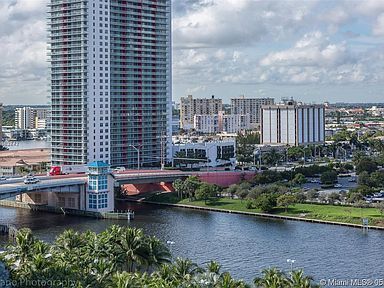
point(211, 124)
point(234, 123)
point(217, 123)
point(24, 118)
point(293, 124)
point(110, 81)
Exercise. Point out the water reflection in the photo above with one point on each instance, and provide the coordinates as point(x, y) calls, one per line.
point(242, 244)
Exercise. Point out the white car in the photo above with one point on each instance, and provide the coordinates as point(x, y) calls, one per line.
point(2, 178)
point(338, 186)
point(31, 180)
point(119, 169)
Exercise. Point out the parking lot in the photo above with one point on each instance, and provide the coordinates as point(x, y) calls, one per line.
point(343, 181)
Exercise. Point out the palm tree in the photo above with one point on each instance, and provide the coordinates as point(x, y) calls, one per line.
point(272, 278)
point(123, 280)
point(135, 254)
point(213, 267)
point(69, 240)
point(102, 270)
point(165, 272)
point(299, 280)
point(228, 282)
point(158, 253)
point(22, 251)
point(184, 269)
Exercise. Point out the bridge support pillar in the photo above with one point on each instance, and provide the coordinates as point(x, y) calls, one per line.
point(83, 197)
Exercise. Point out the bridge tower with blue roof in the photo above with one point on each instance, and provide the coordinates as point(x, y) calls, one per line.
point(100, 190)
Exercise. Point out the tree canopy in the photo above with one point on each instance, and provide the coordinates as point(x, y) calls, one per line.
point(120, 257)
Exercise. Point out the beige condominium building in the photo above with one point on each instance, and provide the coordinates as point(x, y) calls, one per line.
point(251, 106)
point(197, 106)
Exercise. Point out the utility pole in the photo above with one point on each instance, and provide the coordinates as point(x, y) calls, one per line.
point(138, 155)
point(162, 150)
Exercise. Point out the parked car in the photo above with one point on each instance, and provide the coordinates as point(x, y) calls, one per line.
point(2, 178)
point(31, 180)
point(315, 181)
point(119, 169)
point(338, 186)
point(379, 195)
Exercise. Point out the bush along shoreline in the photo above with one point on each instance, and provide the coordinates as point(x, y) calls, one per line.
point(263, 195)
point(121, 257)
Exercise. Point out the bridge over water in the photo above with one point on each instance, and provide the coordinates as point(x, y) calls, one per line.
point(72, 191)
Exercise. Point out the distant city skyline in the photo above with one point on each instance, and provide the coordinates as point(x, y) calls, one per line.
point(314, 51)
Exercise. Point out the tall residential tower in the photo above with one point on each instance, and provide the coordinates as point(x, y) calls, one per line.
point(110, 81)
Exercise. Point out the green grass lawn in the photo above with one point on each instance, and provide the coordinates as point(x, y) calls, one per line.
point(335, 213)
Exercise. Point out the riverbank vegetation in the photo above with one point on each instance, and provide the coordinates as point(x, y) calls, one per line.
point(270, 192)
point(121, 257)
point(336, 213)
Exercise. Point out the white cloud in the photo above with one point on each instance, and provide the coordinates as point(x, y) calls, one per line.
point(378, 29)
point(368, 7)
point(23, 65)
point(312, 50)
point(239, 22)
point(338, 15)
point(224, 42)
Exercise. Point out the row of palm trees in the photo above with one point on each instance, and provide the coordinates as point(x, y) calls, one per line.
point(121, 257)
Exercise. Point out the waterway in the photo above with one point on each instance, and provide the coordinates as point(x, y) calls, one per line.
point(244, 245)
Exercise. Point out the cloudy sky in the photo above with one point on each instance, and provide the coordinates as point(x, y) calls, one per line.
point(313, 50)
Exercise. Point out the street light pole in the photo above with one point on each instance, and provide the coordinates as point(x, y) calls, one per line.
point(163, 150)
point(291, 261)
point(138, 155)
point(286, 155)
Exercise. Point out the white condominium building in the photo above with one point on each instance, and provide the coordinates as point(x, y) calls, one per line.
point(217, 123)
point(234, 123)
point(211, 124)
point(293, 124)
point(110, 81)
point(24, 118)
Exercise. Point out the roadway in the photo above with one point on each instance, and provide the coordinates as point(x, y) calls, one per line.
point(16, 186)
point(148, 176)
point(19, 179)
point(65, 183)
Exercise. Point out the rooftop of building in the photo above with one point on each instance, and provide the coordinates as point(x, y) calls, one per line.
point(98, 164)
point(200, 140)
point(242, 97)
point(24, 157)
point(292, 104)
